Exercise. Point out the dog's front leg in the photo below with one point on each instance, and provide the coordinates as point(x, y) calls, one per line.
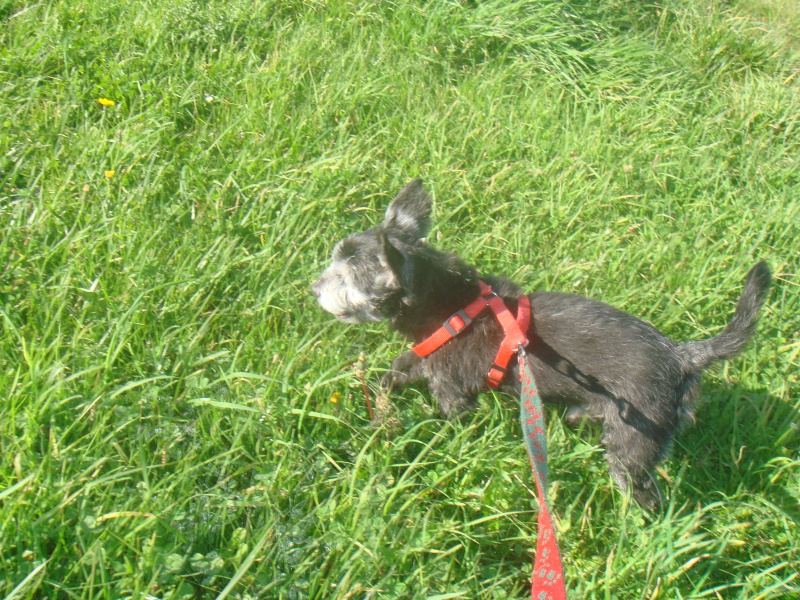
point(406, 369)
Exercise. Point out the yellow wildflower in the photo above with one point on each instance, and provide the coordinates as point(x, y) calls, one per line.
point(109, 174)
point(335, 397)
point(106, 102)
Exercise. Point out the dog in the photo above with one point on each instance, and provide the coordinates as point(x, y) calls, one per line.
point(589, 357)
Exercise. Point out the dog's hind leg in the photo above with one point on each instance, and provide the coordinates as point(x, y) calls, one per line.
point(632, 457)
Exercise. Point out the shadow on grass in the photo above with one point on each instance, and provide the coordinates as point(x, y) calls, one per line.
point(732, 448)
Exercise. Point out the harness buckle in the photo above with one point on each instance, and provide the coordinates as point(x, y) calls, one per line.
point(499, 368)
point(495, 376)
point(461, 315)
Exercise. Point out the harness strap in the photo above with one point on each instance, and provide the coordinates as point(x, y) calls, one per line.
point(514, 329)
point(455, 324)
point(515, 335)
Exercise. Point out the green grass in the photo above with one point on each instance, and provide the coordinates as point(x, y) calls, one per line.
point(178, 418)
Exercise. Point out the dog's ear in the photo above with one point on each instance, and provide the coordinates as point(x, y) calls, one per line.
point(410, 211)
point(398, 262)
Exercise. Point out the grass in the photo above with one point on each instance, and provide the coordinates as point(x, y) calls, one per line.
point(180, 420)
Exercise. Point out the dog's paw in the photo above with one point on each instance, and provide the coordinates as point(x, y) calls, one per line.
point(389, 380)
point(648, 495)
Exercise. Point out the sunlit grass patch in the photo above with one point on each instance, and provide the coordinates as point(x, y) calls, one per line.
point(173, 177)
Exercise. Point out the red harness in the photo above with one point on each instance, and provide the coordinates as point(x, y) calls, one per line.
point(547, 580)
point(514, 329)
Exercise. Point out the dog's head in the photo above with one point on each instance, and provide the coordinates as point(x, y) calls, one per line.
point(371, 271)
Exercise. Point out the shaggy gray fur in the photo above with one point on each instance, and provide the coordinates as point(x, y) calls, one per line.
point(600, 362)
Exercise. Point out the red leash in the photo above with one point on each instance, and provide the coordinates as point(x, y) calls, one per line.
point(547, 581)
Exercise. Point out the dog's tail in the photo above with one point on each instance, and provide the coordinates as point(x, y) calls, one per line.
point(728, 343)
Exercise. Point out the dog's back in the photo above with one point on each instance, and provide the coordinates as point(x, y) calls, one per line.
point(583, 348)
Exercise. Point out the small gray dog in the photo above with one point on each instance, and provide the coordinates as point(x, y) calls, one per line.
point(598, 361)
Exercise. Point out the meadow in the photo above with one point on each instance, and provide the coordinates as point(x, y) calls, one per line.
point(179, 419)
